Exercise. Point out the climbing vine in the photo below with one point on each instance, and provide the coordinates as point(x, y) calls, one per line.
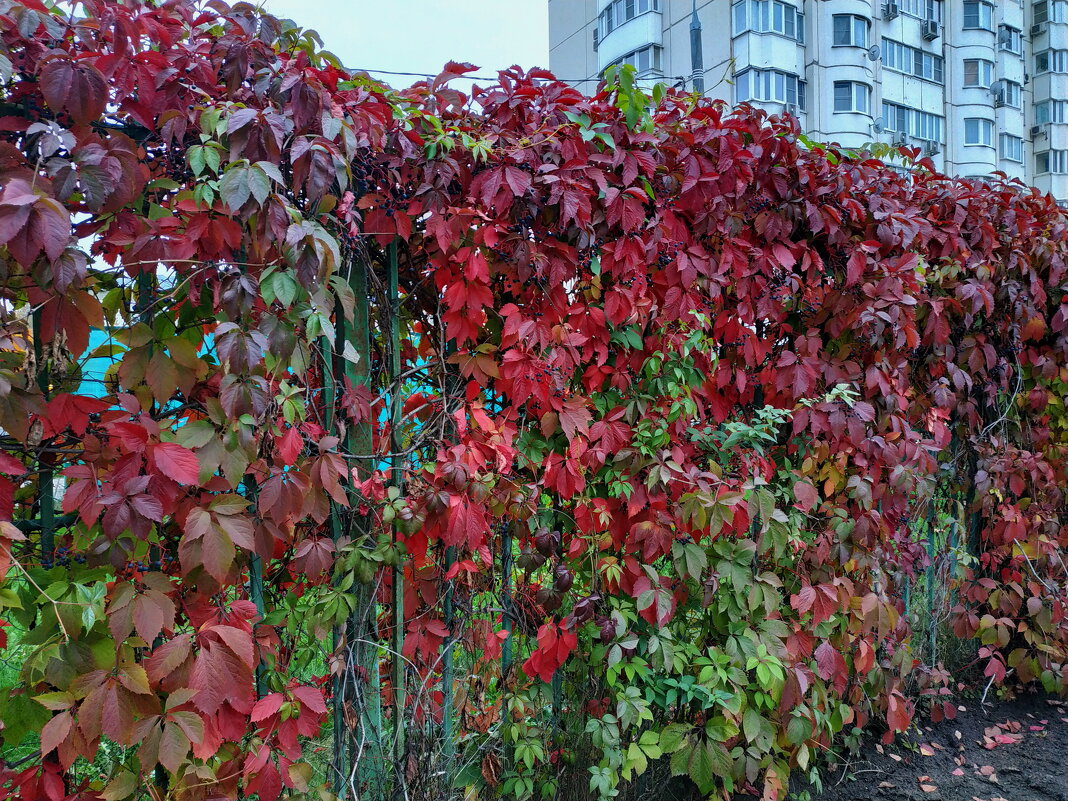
point(359, 440)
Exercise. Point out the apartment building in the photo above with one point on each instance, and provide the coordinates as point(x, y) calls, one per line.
point(981, 86)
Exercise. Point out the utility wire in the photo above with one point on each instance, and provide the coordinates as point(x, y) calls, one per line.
point(430, 76)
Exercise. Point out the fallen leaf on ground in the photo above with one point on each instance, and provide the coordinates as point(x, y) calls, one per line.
point(958, 772)
point(928, 788)
point(926, 750)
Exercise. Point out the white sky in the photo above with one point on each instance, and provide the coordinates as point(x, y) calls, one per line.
point(422, 35)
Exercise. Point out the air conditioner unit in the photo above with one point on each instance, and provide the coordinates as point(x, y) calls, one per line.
point(931, 30)
point(891, 10)
point(596, 40)
point(1037, 30)
point(931, 148)
point(900, 140)
point(999, 98)
point(1036, 130)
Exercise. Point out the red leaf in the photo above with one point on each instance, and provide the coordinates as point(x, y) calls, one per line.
point(11, 466)
point(176, 462)
point(290, 446)
point(55, 732)
point(806, 495)
point(830, 664)
point(575, 418)
point(168, 657)
point(173, 747)
point(898, 712)
point(75, 87)
point(266, 707)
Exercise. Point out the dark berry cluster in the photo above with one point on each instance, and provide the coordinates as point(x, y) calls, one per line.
point(62, 557)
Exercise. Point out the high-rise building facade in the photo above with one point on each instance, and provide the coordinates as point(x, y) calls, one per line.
point(981, 86)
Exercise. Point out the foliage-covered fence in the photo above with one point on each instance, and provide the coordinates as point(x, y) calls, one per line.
point(521, 442)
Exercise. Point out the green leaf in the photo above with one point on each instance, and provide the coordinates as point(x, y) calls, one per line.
point(213, 157)
point(701, 768)
point(196, 434)
point(204, 195)
point(798, 730)
point(259, 183)
point(281, 286)
point(751, 724)
point(271, 170)
point(719, 759)
point(197, 159)
point(673, 737)
point(120, 787)
point(720, 729)
point(234, 187)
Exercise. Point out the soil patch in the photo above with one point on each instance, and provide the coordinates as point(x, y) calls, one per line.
point(1011, 751)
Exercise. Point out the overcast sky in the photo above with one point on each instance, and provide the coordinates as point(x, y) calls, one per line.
point(421, 35)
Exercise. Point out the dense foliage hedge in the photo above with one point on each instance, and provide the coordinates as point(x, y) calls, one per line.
point(607, 435)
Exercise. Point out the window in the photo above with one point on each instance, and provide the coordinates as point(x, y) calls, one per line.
point(1011, 147)
point(913, 122)
point(1055, 161)
point(913, 61)
point(770, 86)
point(1051, 61)
point(1010, 39)
point(978, 14)
point(1011, 94)
point(769, 16)
point(1051, 111)
point(1052, 11)
point(619, 12)
point(645, 60)
point(924, 9)
point(978, 132)
point(850, 30)
point(852, 96)
point(978, 72)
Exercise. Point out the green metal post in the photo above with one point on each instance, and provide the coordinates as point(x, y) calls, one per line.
point(953, 561)
point(46, 488)
point(255, 583)
point(509, 624)
point(932, 631)
point(357, 633)
point(448, 746)
point(506, 597)
point(397, 479)
point(340, 763)
point(361, 627)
